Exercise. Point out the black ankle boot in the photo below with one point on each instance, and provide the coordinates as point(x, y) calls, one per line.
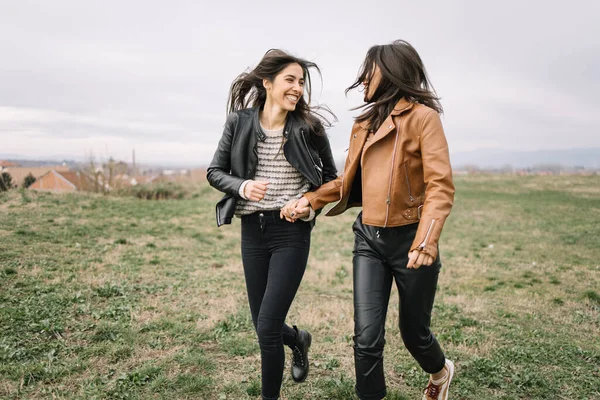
point(300, 355)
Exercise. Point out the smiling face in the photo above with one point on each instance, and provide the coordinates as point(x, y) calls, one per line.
point(287, 88)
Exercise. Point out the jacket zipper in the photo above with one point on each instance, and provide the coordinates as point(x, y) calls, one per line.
point(255, 150)
point(388, 201)
point(424, 244)
point(308, 150)
point(410, 196)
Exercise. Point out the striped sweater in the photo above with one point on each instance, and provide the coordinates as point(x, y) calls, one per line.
point(286, 183)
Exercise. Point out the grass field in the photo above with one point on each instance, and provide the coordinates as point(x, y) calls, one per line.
point(121, 298)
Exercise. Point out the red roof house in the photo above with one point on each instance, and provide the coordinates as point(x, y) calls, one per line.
point(64, 181)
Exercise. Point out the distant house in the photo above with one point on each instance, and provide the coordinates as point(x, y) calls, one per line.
point(124, 180)
point(6, 164)
point(64, 181)
point(18, 174)
point(121, 167)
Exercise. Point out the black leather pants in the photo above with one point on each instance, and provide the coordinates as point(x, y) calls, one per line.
point(380, 256)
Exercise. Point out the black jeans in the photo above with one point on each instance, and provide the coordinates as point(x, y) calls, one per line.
point(274, 254)
point(380, 256)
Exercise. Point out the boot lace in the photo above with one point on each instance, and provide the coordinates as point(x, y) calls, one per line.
point(432, 391)
point(298, 357)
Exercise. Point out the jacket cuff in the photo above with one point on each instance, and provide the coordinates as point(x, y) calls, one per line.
point(427, 237)
point(242, 188)
point(312, 197)
point(312, 214)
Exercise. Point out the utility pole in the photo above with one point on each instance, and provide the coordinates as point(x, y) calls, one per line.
point(134, 169)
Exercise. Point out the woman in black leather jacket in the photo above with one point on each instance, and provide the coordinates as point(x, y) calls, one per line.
point(273, 150)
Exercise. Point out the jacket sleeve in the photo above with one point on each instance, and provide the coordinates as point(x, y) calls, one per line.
point(325, 194)
point(326, 156)
point(328, 165)
point(439, 192)
point(330, 190)
point(219, 171)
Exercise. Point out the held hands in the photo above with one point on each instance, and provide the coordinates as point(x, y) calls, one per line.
point(417, 259)
point(255, 190)
point(295, 209)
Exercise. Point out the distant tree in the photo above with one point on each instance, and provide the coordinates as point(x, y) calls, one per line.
point(28, 181)
point(95, 174)
point(6, 181)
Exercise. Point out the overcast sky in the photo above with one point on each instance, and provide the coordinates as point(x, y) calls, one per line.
point(79, 77)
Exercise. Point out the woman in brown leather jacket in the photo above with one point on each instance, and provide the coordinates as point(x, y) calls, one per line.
point(398, 170)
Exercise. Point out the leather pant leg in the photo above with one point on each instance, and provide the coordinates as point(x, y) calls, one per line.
point(416, 288)
point(380, 256)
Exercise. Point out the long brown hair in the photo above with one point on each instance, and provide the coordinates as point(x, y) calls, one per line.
point(247, 89)
point(402, 75)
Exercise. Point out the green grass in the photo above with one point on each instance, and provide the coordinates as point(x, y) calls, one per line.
point(121, 298)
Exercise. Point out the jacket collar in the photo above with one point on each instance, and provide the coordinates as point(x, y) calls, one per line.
point(256, 124)
point(291, 123)
point(401, 106)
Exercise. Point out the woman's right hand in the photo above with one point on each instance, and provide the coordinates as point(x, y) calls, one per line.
point(301, 204)
point(255, 190)
point(295, 209)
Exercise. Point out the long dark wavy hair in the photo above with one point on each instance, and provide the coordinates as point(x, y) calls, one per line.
point(402, 75)
point(247, 89)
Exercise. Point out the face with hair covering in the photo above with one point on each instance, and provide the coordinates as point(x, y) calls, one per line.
point(371, 83)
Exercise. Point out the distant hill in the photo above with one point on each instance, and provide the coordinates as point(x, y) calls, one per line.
point(494, 158)
point(483, 158)
point(72, 162)
point(37, 163)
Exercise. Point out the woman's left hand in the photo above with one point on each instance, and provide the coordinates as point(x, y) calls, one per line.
point(300, 212)
point(416, 259)
point(291, 212)
point(287, 211)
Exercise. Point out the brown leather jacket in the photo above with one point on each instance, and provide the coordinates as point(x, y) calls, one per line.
point(406, 175)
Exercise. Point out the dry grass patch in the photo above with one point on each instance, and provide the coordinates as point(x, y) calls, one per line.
point(215, 308)
point(152, 304)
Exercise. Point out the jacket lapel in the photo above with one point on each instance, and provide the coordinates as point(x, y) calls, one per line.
point(359, 136)
point(389, 125)
point(385, 128)
point(256, 125)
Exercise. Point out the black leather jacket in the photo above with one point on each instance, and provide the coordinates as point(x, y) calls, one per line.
point(236, 157)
